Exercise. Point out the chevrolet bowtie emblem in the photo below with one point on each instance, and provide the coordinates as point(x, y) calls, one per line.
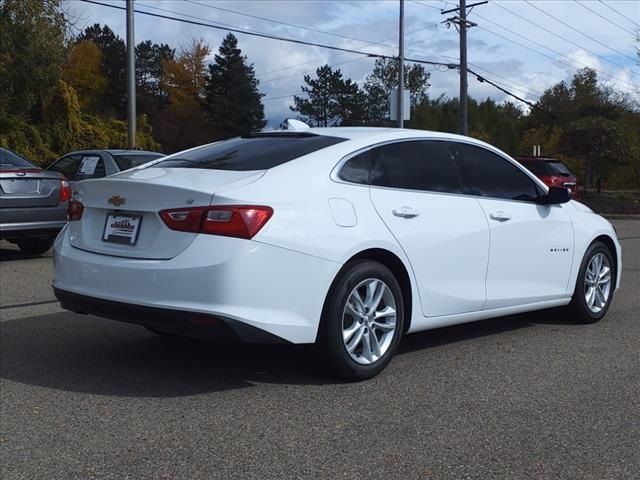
point(117, 200)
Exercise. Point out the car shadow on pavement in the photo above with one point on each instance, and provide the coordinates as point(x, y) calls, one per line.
point(80, 353)
point(11, 254)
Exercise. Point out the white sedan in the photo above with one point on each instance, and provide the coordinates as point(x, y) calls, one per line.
point(345, 237)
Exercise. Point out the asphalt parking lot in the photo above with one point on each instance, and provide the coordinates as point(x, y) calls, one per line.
point(531, 396)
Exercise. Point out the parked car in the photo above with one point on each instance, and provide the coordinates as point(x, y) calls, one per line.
point(85, 164)
point(552, 172)
point(33, 203)
point(346, 237)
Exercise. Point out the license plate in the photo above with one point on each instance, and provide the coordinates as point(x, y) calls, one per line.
point(20, 186)
point(122, 228)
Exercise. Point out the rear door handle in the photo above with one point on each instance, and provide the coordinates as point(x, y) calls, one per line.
point(405, 212)
point(500, 216)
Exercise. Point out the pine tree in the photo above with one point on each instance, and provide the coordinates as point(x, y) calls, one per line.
point(331, 100)
point(232, 100)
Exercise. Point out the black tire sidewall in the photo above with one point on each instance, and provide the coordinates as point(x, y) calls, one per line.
point(331, 324)
point(579, 303)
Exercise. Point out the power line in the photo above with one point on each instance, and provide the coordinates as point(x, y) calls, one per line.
point(545, 47)
point(283, 23)
point(510, 83)
point(579, 31)
point(290, 40)
point(619, 13)
point(604, 18)
point(268, 36)
point(558, 36)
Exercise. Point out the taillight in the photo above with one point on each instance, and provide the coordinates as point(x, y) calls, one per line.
point(65, 191)
point(74, 210)
point(241, 221)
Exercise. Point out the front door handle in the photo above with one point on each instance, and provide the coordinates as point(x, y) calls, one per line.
point(405, 212)
point(500, 216)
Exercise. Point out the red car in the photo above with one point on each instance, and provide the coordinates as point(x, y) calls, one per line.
point(552, 172)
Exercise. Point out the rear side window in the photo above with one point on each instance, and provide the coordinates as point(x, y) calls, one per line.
point(417, 165)
point(127, 161)
point(356, 169)
point(9, 160)
point(255, 152)
point(493, 176)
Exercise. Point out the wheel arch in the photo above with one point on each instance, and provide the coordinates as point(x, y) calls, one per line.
point(611, 245)
point(399, 270)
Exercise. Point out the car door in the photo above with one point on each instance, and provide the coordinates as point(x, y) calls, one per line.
point(531, 243)
point(417, 191)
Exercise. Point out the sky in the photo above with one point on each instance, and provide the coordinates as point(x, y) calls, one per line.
point(525, 46)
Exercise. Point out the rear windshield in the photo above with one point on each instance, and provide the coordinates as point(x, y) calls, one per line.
point(255, 152)
point(127, 161)
point(536, 167)
point(9, 160)
point(559, 168)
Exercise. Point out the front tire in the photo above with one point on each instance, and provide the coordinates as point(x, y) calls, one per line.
point(362, 320)
point(35, 246)
point(594, 286)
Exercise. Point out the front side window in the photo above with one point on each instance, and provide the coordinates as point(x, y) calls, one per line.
point(416, 165)
point(491, 175)
point(79, 167)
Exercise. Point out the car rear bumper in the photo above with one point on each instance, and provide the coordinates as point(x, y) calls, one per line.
point(24, 222)
point(214, 280)
point(165, 320)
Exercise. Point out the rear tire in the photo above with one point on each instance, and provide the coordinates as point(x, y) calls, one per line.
point(362, 320)
point(594, 286)
point(35, 246)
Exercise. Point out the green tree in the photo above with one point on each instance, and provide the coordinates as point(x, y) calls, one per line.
point(113, 66)
point(32, 50)
point(150, 58)
point(384, 78)
point(331, 100)
point(232, 100)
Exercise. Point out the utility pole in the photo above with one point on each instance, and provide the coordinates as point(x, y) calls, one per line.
point(401, 68)
point(462, 24)
point(131, 79)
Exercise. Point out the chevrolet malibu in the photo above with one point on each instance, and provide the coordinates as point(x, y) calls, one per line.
point(344, 237)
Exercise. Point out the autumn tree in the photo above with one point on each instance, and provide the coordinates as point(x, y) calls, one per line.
point(183, 124)
point(232, 100)
point(83, 72)
point(113, 51)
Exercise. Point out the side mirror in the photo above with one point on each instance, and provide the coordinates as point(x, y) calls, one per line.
point(556, 196)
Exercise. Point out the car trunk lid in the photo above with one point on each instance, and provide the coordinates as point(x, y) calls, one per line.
point(134, 199)
point(29, 187)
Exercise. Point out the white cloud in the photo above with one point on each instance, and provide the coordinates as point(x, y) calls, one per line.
point(281, 66)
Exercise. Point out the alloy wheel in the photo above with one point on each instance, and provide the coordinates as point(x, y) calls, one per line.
point(597, 283)
point(369, 321)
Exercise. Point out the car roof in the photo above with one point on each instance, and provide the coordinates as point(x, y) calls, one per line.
point(531, 157)
point(115, 151)
point(354, 133)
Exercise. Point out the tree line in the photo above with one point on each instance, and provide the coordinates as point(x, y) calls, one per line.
point(61, 91)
